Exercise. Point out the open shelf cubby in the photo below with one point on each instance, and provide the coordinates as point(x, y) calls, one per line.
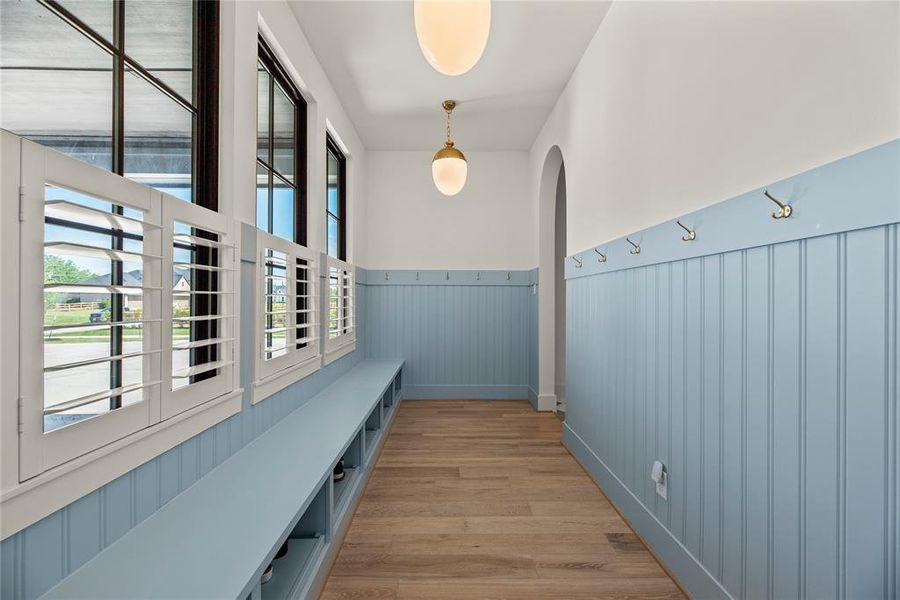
point(398, 385)
point(306, 545)
point(352, 463)
point(373, 428)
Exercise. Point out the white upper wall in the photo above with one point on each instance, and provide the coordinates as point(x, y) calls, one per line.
point(678, 105)
point(488, 225)
point(241, 22)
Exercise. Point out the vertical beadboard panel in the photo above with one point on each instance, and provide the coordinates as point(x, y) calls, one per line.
point(36, 558)
point(786, 400)
point(457, 340)
point(733, 417)
point(710, 413)
point(892, 492)
point(758, 433)
point(822, 381)
point(677, 383)
point(693, 402)
point(865, 449)
point(766, 380)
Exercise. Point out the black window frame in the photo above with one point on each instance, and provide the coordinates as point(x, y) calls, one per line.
point(331, 147)
point(279, 75)
point(204, 110)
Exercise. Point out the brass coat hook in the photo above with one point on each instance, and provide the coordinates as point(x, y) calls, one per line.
point(784, 210)
point(637, 248)
point(690, 237)
point(601, 258)
point(577, 262)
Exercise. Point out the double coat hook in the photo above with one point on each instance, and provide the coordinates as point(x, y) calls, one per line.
point(577, 262)
point(690, 237)
point(601, 258)
point(784, 210)
point(636, 249)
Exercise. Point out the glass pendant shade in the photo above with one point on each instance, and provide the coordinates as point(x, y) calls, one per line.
point(449, 169)
point(452, 33)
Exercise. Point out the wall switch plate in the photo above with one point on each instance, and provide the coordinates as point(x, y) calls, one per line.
point(659, 475)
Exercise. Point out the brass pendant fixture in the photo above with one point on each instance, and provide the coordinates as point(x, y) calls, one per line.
point(452, 33)
point(449, 167)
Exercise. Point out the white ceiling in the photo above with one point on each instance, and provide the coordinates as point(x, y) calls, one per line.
point(370, 53)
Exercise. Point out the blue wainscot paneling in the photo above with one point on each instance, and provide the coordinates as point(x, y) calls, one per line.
point(38, 557)
point(463, 334)
point(765, 379)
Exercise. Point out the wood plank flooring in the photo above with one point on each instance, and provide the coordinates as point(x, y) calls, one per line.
point(479, 499)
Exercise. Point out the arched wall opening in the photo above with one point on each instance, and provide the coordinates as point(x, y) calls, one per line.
point(559, 292)
point(551, 321)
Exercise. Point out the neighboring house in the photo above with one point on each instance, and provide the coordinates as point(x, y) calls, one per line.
point(180, 283)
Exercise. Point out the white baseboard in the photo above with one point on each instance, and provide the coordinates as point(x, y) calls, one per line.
point(546, 402)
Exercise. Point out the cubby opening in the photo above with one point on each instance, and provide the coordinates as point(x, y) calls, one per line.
point(373, 428)
point(353, 458)
point(305, 545)
point(398, 385)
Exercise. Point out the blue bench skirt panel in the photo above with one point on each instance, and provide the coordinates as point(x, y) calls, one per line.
point(214, 539)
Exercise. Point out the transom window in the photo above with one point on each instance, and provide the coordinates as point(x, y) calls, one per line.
point(336, 208)
point(130, 86)
point(280, 151)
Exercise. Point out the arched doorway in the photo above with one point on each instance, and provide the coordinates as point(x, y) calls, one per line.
point(551, 288)
point(559, 292)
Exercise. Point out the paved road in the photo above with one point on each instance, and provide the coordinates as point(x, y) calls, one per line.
point(67, 385)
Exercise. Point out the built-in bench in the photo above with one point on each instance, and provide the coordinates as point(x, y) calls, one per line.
point(215, 539)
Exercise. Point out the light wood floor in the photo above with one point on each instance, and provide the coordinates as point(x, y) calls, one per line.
point(479, 499)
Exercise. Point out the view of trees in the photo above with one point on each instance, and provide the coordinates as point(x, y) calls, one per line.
point(63, 270)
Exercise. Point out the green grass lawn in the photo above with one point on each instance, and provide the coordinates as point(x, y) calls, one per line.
point(100, 334)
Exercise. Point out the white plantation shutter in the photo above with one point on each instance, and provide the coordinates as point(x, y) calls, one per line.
point(200, 306)
point(104, 263)
point(341, 310)
point(90, 242)
point(287, 322)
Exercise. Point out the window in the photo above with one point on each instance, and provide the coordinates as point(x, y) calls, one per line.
point(336, 208)
point(341, 310)
point(113, 84)
point(126, 304)
point(280, 151)
point(287, 323)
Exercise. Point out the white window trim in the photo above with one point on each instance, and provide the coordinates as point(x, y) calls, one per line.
point(273, 375)
point(27, 496)
point(343, 343)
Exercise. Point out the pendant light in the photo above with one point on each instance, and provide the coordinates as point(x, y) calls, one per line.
point(452, 33)
point(449, 167)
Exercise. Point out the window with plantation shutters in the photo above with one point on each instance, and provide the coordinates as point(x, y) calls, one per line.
point(341, 313)
point(200, 297)
point(126, 306)
point(288, 325)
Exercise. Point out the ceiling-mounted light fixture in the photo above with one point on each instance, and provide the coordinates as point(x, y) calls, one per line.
point(449, 167)
point(452, 33)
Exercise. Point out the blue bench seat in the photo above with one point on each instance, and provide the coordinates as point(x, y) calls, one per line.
point(214, 539)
